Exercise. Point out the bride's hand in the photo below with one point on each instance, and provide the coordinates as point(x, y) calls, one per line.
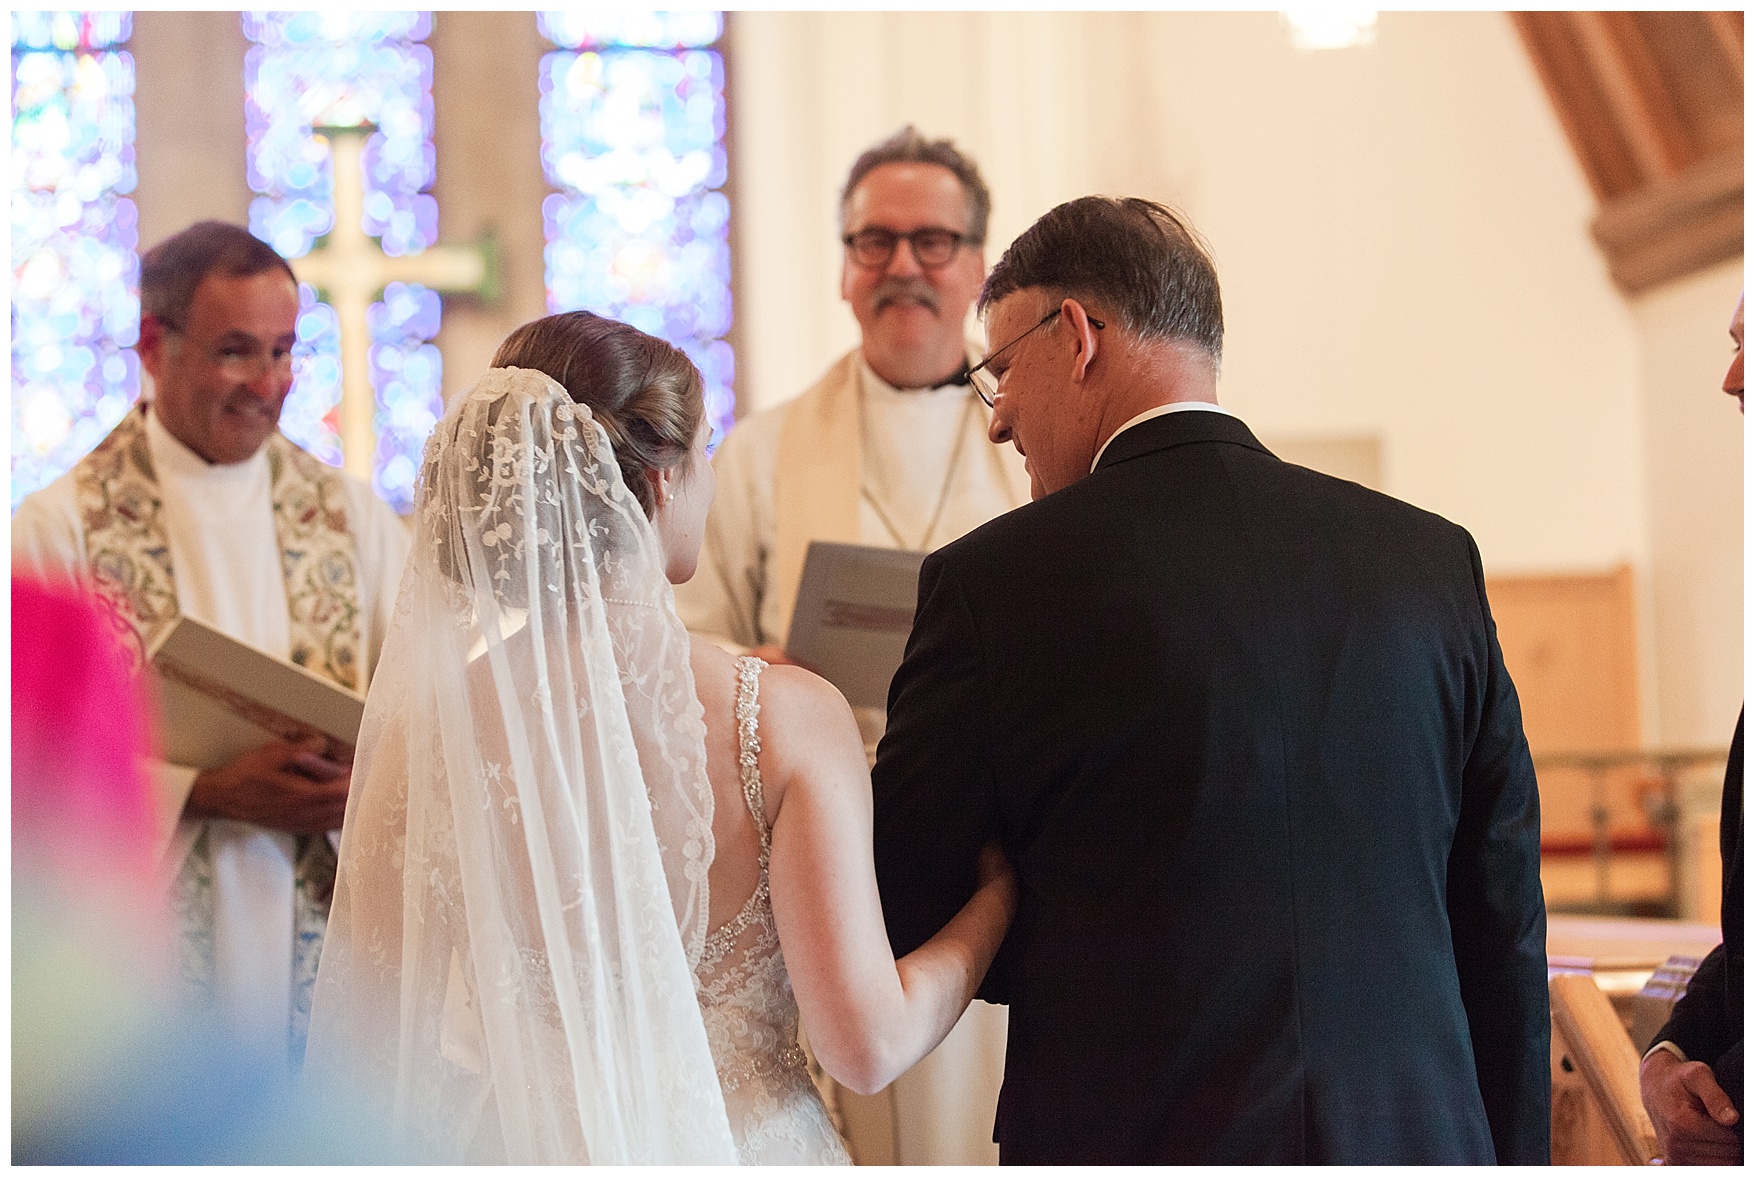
point(996, 876)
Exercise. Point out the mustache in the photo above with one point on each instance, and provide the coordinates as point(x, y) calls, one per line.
point(891, 290)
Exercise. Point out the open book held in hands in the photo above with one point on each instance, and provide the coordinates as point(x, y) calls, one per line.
point(219, 697)
point(854, 613)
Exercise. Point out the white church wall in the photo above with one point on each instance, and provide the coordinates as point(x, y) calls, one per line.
point(1400, 229)
point(1695, 450)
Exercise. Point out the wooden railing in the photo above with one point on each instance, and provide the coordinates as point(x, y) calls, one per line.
point(1665, 768)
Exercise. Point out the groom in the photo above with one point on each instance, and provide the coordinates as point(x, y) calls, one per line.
point(1245, 733)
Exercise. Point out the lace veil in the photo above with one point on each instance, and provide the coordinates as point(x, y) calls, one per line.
point(523, 886)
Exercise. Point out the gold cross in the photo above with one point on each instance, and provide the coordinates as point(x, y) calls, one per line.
point(350, 270)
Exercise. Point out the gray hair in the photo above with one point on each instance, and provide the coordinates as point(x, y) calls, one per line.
point(910, 146)
point(1137, 260)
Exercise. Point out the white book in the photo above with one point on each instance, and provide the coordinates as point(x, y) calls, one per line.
point(854, 612)
point(219, 697)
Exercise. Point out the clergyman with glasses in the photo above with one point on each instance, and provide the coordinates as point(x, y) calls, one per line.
point(196, 504)
point(888, 449)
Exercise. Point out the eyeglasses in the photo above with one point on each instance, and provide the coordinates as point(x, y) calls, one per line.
point(986, 384)
point(932, 248)
point(239, 361)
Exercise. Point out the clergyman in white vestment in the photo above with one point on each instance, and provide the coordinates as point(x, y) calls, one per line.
point(197, 505)
point(888, 449)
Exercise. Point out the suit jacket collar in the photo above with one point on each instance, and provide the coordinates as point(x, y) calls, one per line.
point(1174, 429)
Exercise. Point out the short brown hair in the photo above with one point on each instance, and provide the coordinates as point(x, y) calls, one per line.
point(1138, 260)
point(171, 270)
point(910, 146)
point(645, 393)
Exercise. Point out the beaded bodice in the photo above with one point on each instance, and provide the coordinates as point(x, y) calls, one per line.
point(746, 998)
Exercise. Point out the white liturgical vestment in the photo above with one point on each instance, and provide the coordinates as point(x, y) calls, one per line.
point(923, 473)
point(219, 522)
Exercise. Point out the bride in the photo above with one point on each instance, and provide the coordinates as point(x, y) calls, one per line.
point(594, 872)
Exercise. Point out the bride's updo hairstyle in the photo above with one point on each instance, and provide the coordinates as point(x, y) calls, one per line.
point(645, 393)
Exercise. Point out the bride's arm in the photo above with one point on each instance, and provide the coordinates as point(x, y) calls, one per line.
point(868, 1016)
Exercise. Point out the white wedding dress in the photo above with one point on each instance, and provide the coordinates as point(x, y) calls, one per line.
point(777, 1116)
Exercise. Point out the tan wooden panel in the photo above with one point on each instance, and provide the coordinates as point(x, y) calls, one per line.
point(1570, 647)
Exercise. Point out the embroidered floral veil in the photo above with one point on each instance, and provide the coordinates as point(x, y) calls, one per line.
point(523, 885)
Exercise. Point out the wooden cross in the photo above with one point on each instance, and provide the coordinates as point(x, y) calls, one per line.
point(350, 270)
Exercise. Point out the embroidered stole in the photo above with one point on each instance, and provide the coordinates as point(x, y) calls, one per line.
point(129, 557)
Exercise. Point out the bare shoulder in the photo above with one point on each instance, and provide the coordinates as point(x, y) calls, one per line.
point(808, 722)
point(715, 674)
point(708, 657)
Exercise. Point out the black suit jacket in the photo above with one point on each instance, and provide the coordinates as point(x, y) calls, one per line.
point(1708, 1022)
point(1245, 733)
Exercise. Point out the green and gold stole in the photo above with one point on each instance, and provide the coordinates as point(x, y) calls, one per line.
point(129, 558)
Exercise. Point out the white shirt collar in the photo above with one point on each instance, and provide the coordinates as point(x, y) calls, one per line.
point(1159, 411)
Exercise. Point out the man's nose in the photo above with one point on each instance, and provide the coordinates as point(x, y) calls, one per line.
point(998, 431)
point(268, 382)
point(903, 263)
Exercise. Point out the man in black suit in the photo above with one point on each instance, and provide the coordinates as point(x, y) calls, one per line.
point(1245, 734)
point(1691, 1080)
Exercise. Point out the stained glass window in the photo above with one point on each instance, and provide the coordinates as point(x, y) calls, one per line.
point(342, 68)
point(75, 243)
point(633, 137)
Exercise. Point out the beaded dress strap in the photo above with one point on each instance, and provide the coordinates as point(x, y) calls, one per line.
point(749, 744)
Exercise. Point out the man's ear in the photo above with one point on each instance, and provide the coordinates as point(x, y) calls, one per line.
point(1085, 337)
point(846, 277)
point(151, 348)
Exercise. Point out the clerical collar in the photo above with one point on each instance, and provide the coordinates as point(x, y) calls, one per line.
point(960, 376)
point(957, 379)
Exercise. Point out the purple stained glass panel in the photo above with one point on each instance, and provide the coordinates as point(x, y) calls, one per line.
point(75, 245)
point(633, 129)
point(310, 68)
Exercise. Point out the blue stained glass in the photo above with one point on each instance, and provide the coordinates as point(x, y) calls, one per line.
point(75, 241)
point(312, 413)
point(344, 68)
point(83, 31)
point(405, 371)
point(597, 25)
point(340, 68)
point(633, 139)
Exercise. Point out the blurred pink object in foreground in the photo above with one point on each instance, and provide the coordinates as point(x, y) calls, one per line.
point(80, 800)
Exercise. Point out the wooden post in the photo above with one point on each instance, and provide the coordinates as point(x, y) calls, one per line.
point(1598, 1046)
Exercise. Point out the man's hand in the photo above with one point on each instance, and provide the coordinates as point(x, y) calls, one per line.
point(1691, 1112)
point(300, 788)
